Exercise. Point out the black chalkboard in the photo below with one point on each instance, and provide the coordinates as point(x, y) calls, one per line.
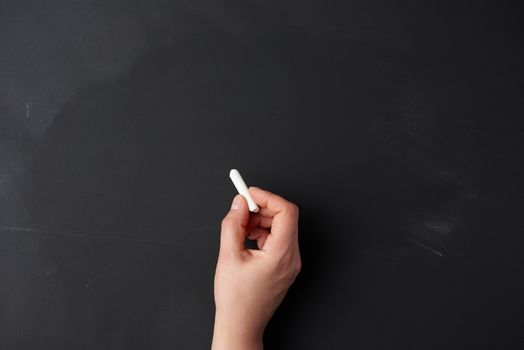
point(395, 126)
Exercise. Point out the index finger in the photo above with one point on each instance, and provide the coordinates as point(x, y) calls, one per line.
point(284, 227)
point(270, 204)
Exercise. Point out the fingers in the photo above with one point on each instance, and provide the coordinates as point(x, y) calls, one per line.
point(284, 223)
point(259, 234)
point(233, 227)
point(270, 204)
point(259, 220)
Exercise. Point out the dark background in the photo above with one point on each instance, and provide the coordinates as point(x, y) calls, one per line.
point(396, 127)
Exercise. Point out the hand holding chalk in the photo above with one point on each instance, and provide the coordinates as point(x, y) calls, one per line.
point(242, 189)
point(250, 284)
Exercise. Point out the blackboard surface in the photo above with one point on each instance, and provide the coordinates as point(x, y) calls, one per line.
point(396, 127)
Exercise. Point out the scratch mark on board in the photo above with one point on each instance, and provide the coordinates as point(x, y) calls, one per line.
point(96, 277)
point(441, 227)
point(28, 108)
point(19, 228)
point(77, 234)
point(425, 246)
point(102, 235)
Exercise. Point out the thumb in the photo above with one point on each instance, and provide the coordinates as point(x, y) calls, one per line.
point(233, 226)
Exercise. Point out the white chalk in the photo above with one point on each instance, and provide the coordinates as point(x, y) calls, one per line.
point(242, 189)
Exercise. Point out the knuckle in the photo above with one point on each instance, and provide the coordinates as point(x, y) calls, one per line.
point(298, 267)
point(292, 208)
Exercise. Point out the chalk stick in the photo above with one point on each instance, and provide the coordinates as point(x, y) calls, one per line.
point(242, 189)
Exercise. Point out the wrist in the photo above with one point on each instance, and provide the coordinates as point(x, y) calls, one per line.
point(230, 337)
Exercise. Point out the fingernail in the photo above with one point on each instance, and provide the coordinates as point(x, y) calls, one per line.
point(236, 203)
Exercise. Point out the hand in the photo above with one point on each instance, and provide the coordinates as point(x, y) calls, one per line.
point(250, 284)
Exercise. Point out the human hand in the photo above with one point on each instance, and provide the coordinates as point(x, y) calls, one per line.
point(250, 284)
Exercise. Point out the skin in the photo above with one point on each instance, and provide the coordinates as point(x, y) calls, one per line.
point(250, 284)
